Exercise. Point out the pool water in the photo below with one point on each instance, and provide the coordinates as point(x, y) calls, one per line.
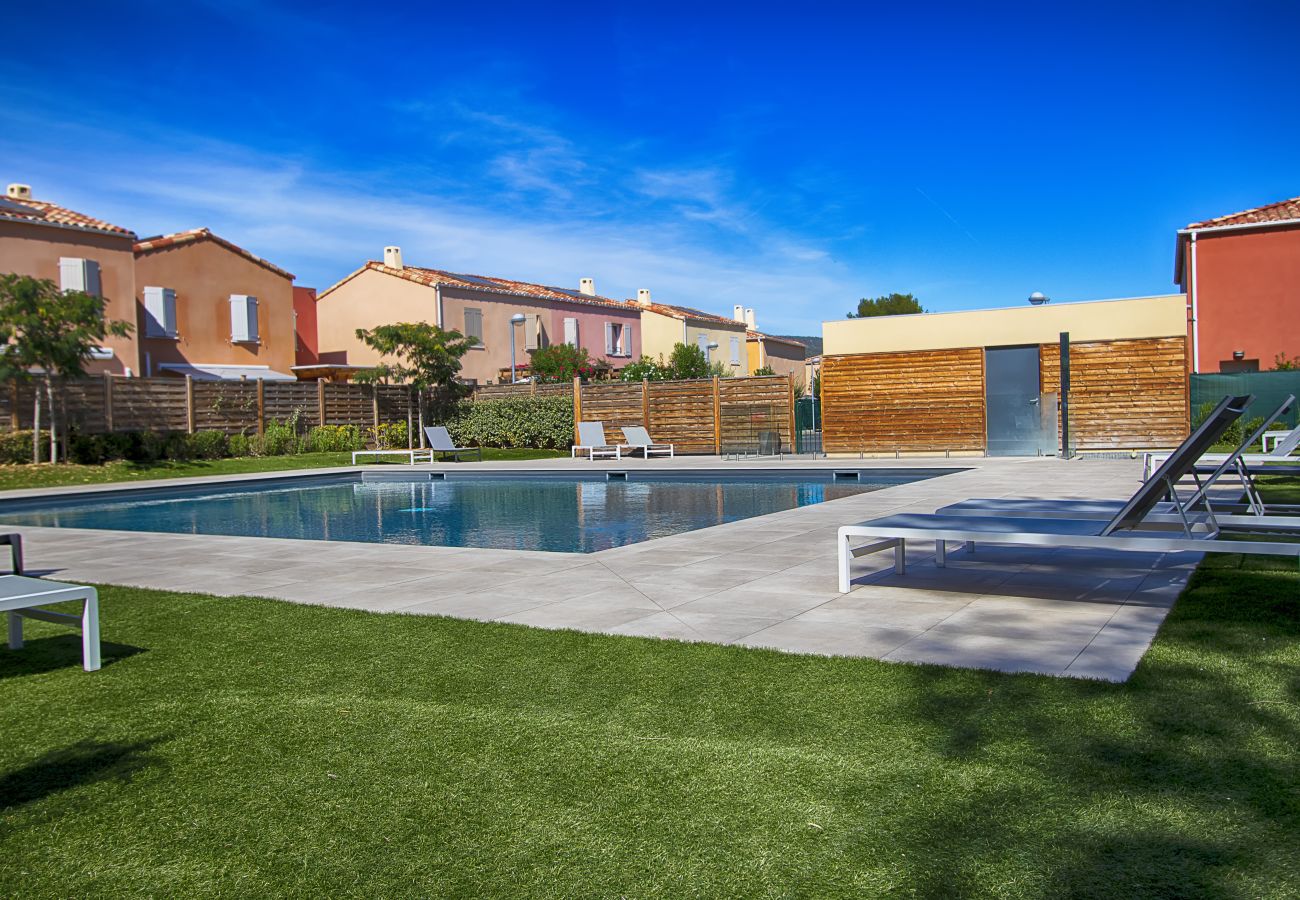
point(550, 513)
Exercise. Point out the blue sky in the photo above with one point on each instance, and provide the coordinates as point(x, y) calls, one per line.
point(790, 157)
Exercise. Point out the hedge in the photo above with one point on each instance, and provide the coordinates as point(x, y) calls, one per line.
point(280, 439)
point(536, 422)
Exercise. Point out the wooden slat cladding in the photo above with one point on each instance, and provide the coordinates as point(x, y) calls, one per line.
point(681, 413)
point(616, 403)
point(1123, 394)
point(928, 401)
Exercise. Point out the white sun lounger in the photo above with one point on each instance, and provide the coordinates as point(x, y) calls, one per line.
point(1128, 530)
point(592, 443)
point(638, 438)
point(440, 443)
point(22, 597)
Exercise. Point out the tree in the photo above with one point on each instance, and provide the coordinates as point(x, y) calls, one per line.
point(54, 332)
point(888, 305)
point(561, 363)
point(687, 361)
point(1283, 363)
point(422, 355)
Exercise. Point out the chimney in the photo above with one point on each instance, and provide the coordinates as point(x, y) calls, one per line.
point(19, 192)
point(393, 257)
point(749, 318)
point(738, 313)
point(587, 286)
point(643, 296)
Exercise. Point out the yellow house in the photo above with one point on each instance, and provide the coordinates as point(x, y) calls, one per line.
point(780, 354)
point(664, 325)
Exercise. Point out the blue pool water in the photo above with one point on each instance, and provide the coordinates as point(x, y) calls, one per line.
point(570, 514)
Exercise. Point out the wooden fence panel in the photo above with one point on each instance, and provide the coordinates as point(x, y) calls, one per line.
point(349, 404)
point(394, 402)
point(924, 401)
point(282, 399)
point(681, 413)
point(82, 406)
point(1123, 394)
point(229, 406)
point(501, 391)
point(149, 404)
point(750, 406)
point(616, 403)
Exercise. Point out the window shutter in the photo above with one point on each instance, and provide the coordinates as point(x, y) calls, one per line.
point(474, 325)
point(609, 338)
point(159, 312)
point(571, 332)
point(735, 351)
point(532, 332)
point(243, 318)
point(703, 341)
point(76, 274)
point(626, 349)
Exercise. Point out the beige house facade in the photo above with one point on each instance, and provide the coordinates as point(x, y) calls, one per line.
point(782, 355)
point(41, 239)
point(212, 310)
point(665, 325)
point(482, 307)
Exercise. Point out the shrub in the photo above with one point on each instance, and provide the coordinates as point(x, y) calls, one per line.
point(389, 436)
point(533, 421)
point(334, 439)
point(239, 445)
point(764, 370)
point(645, 369)
point(277, 439)
point(208, 445)
point(16, 447)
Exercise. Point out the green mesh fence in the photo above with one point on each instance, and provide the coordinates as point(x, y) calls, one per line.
point(1269, 388)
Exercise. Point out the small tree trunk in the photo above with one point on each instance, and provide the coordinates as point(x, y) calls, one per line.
point(420, 394)
point(54, 442)
point(36, 426)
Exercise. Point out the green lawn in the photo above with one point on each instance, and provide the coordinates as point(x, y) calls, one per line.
point(251, 747)
point(45, 475)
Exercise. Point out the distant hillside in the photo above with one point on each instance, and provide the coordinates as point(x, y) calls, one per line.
point(814, 344)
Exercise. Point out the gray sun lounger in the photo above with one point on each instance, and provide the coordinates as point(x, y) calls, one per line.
point(440, 443)
point(1257, 517)
point(592, 443)
point(638, 438)
point(1278, 459)
point(1127, 530)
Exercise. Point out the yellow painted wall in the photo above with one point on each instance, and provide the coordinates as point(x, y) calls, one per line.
point(658, 334)
point(1140, 317)
point(370, 299)
point(722, 335)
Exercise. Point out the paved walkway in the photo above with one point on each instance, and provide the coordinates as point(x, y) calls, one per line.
point(762, 582)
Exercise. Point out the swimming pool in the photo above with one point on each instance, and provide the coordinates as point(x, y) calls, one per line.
point(570, 512)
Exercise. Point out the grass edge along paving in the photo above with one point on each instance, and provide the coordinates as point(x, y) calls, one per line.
point(239, 746)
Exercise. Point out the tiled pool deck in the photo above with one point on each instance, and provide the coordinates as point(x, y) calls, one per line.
point(762, 582)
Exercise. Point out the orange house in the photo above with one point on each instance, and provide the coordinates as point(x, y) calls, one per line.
point(77, 252)
point(1241, 273)
point(213, 310)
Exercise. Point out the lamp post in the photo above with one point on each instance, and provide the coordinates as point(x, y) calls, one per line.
point(516, 319)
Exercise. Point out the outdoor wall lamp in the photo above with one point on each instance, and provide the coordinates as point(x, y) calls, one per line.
point(1238, 354)
point(516, 319)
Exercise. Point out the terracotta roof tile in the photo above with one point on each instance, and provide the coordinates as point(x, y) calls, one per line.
point(758, 335)
point(199, 234)
point(434, 277)
point(1282, 211)
point(42, 212)
point(686, 312)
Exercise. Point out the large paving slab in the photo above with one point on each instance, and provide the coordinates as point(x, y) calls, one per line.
point(764, 582)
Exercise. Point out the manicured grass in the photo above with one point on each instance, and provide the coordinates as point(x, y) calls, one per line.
point(1281, 490)
point(28, 476)
point(251, 747)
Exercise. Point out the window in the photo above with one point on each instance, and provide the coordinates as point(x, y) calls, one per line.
point(735, 351)
point(474, 325)
point(618, 339)
point(571, 332)
point(79, 275)
point(243, 319)
point(159, 312)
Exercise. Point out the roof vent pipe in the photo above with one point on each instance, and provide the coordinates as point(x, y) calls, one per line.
point(393, 257)
point(1038, 298)
point(587, 286)
point(749, 318)
point(643, 296)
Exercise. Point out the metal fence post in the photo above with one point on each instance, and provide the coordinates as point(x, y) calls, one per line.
point(1065, 395)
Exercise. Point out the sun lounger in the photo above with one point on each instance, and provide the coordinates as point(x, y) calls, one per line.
point(1127, 530)
point(592, 443)
point(22, 597)
point(638, 438)
point(1276, 460)
point(440, 443)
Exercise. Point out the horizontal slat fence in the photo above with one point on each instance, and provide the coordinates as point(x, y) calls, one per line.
point(930, 401)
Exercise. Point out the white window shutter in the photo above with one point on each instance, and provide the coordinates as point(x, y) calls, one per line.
point(243, 318)
point(76, 274)
point(474, 325)
point(159, 312)
point(609, 338)
point(571, 332)
point(251, 308)
point(735, 351)
point(626, 349)
point(532, 332)
point(703, 341)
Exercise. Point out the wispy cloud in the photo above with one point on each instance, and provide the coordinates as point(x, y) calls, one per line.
point(646, 227)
